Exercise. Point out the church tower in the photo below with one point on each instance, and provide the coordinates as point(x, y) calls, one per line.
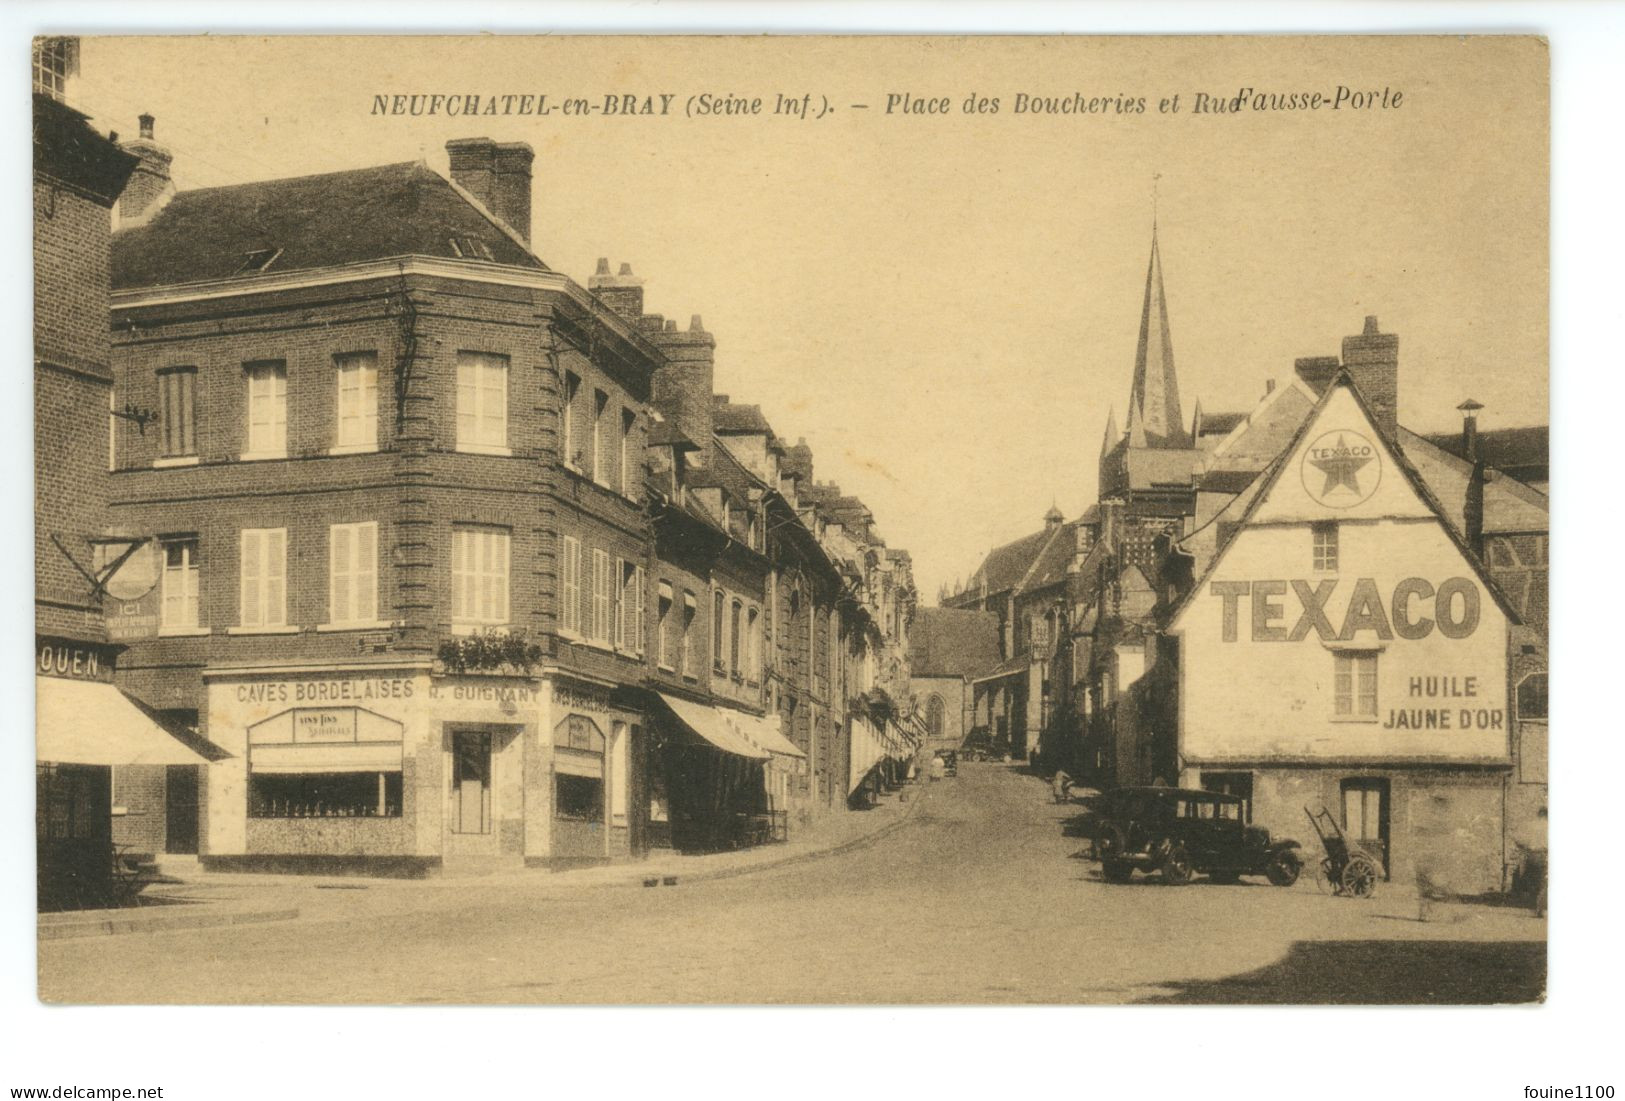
point(1151, 466)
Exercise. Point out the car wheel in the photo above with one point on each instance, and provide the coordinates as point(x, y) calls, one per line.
point(1176, 866)
point(1359, 877)
point(1110, 840)
point(1117, 871)
point(1283, 869)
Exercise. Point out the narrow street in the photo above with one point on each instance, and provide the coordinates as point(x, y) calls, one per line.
point(980, 898)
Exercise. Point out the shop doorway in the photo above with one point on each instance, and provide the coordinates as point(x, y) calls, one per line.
point(180, 809)
point(1365, 817)
point(470, 812)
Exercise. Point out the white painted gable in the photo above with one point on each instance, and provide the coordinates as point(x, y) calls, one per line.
point(1340, 470)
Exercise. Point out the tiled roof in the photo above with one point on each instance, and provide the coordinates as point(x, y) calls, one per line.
point(950, 642)
point(310, 222)
point(1005, 566)
point(740, 419)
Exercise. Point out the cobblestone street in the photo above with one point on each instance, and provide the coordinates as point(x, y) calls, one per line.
point(980, 897)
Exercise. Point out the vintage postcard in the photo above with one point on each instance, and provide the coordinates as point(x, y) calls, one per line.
point(800, 520)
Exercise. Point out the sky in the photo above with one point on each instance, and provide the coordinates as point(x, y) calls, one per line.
point(946, 305)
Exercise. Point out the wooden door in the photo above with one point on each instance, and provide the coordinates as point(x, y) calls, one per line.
point(1365, 817)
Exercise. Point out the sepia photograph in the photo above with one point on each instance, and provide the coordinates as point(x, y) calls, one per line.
point(656, 521)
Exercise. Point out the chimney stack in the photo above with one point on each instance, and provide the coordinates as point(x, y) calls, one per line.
point(622, 293)
point(1473, 508)
point(150, 186)
point(498, 174)
point(682, 388)
point(1372, 360)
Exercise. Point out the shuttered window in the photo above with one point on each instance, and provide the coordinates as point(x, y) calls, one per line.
point(601, 597)
point(570, 587)
point(267, 410)
point(263, 577)
point(177, 410)
point(482, 400)
point(353, 573)
point(357, 401)
point(1355, 675)
point(479, 575)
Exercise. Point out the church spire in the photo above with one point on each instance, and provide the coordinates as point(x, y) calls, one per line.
point(1156, 388)
point(1111, 437)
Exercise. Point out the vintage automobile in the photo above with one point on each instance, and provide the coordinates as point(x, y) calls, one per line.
point(1180, 832)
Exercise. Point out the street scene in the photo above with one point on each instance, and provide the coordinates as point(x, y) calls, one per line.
point(435, 606)
point(933, 902)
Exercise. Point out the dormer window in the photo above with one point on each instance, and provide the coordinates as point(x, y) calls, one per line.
point(258, 260)
point(469, 248)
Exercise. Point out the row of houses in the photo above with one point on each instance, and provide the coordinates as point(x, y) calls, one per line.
point(1304, 603)
point(439, 556)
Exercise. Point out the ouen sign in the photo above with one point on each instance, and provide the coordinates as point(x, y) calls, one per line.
point(1413, 609)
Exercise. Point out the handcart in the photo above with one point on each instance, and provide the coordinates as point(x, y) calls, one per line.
point(1348, 868)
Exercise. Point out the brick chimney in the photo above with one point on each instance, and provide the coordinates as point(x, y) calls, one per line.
point(622, 293)
point(498, 175)
point(150, 186)
point(1372, 360)
point(682, 388)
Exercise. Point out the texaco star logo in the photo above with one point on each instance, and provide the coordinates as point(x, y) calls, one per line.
point(1341, 469)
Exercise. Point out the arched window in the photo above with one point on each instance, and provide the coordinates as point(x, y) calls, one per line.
point(934, 713)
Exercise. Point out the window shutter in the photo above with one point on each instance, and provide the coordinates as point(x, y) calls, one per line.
point(276, 577)
point(570, 588)
point(367, 573)
point(339, 557)
point(460, 574)
point(494, 407)
point(639, 611)
point(250, 611)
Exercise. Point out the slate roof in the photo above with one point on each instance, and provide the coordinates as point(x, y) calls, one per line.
point(739, 419)
point(1220, 424)
point(1005, 566)
point(953, 642)
point(318, 221)
point(1524, 451)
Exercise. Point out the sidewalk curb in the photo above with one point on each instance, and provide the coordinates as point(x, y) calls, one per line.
point(157, 923)
point(854, 845)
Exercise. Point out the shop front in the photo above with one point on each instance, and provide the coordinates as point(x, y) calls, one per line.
point(84, 728)
point(400, 770)
point(724, 777)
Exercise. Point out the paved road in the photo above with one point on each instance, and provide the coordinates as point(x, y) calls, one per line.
point(980, 898)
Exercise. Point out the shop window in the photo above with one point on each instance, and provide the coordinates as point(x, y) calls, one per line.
point(1355, 683)
point(482, 401)
point(177, 411)
point(71, 801)
point(264, 572)
point(357, 402)
point(180, 585)
point(267, 411)
point(1532, 697)
point(324, 795)
point(578, 798)
point(479, 575)
point(1325, 546)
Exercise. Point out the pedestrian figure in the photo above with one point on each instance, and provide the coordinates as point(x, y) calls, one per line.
point(938, 767)
point(1062, 786)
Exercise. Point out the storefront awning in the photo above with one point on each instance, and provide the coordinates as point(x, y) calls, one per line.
point(710, 724)
point(79, 722)
point(764, 733)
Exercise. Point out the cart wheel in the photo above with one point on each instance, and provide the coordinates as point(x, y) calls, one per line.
point(1176, 866)
point(1359, 877)
point(1283, 869)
